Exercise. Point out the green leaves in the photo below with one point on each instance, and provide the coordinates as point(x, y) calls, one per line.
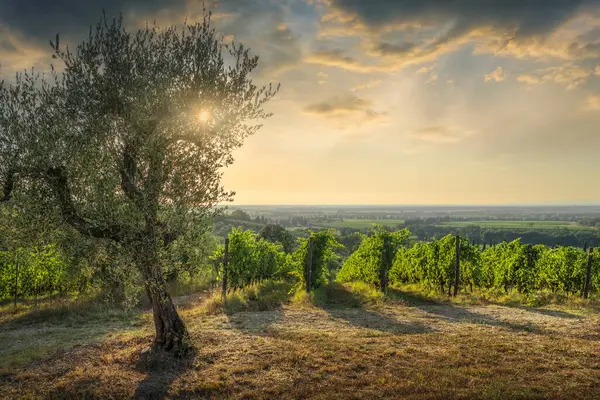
point(42, 270)
point(251, 259)
point(506, 266)
point(562, 269)
point(323, 253)
point(377, 249)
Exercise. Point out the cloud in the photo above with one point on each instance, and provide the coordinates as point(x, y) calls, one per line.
point(368, 85)
point(424, 69)
point(529, 79)
point(413, 32)
point(432, 78)
point(522, 17)
point(497, 75)
point(591, 103)
point(42, 19)
point(440, 134)
point(336, 58)
point(342, 106)
point(394, 48)
point(322, 78)
point(259, 25)
point(263, 27)
point(17, 53)
point(568, 75)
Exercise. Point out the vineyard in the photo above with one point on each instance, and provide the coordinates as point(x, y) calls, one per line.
point(383, 258)
point(36, 271)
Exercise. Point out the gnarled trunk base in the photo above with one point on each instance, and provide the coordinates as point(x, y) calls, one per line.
point(171, 332)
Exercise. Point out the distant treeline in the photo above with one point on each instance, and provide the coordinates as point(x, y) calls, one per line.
point(427, 229)
point(480, 235)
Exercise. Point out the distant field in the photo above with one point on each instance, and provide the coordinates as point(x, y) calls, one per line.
point(518, 224)
point(359, 223)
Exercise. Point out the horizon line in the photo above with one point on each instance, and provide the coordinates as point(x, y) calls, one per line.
point(565, 204)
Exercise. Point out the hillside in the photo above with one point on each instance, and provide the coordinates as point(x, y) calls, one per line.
point(408, 347)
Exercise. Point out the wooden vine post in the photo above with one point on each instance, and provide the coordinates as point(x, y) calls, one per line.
point(308, 267)
point(16, 283)
point(588, 274)
point(385, 264)
point(225, 262)
point(457, 267)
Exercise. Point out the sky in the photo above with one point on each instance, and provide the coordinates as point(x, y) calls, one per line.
point(388, 101)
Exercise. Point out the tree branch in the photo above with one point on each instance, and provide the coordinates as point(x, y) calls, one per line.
point(169, 237)
point(56, 178)
point(58, 181)
point(128, 181)
point(8, 185)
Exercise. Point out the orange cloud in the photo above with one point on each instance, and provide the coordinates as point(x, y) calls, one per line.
point(568, 75)
point(440, 134)
point(497, 75)
point(342, 106)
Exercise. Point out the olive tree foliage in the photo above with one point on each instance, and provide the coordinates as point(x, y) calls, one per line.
point(117, 142)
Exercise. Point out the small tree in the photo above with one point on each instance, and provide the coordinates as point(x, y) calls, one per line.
point(277, 233)
point(241, 215)
point(129, 142)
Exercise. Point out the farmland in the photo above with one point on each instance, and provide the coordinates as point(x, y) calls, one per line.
point(358, 223)
point(519, 224)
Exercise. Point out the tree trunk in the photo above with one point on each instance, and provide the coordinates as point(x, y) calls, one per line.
point(171, 332)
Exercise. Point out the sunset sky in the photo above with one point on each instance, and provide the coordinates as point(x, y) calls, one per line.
point(389, 102)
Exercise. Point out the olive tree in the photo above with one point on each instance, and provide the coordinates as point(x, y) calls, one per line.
point(128, 139)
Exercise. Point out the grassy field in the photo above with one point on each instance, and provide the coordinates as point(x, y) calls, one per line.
point(518, 224)
point(341, 343)
point(359, 223)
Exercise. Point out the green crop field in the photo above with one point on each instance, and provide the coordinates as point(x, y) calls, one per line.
point(518, 224)
point(359, 223)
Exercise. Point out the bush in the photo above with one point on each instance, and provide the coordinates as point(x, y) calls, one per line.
point(251, 259)
point(323, 253)
point(375, 252)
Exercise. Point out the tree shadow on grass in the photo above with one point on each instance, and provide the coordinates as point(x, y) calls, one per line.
point(255, 323)
point(162, 369)
point(367, 319)
point(256, 308)
point(34, 333)
point(88, 388)
point(546, 312)
point(452, 313)
point(340, 303)
point(69, 314)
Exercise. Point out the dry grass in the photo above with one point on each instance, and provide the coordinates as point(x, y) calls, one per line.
point(334, 346)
